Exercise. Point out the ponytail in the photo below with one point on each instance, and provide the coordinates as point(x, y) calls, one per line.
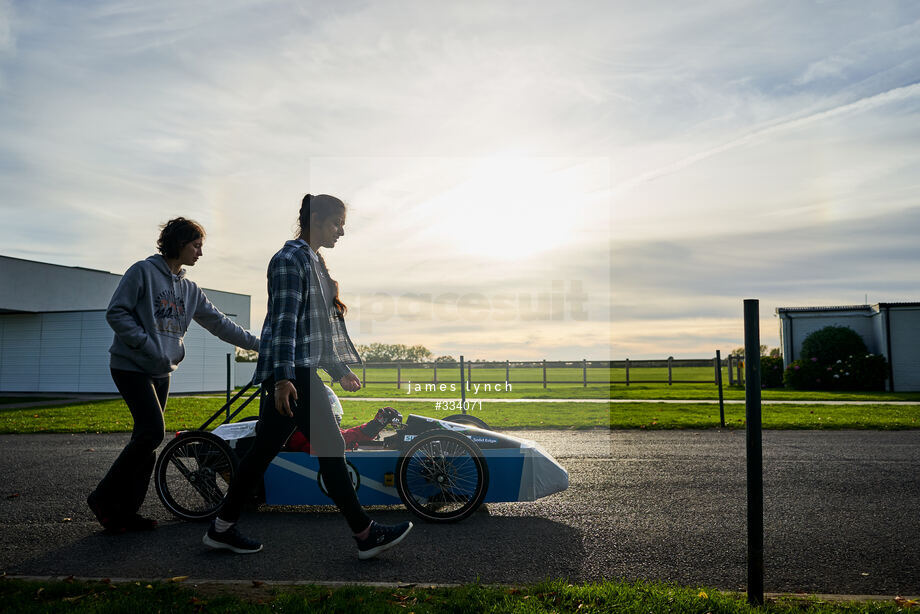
point(324, 206)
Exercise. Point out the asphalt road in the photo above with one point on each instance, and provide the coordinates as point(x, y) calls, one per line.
point(841, 517)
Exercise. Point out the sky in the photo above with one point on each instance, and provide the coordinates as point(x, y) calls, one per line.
point(599, 180)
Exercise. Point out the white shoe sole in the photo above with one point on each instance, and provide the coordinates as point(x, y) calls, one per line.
point(367, 554)
point(211, 543)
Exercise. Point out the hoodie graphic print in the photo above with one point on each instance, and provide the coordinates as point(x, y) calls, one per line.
point(168, 313)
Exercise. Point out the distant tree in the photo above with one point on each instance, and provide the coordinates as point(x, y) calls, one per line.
point(445, 359)
point(776, 353)
point(739, 352)
point(377, 352)
point(246, 355)
point(418, 353)
point(388, 352)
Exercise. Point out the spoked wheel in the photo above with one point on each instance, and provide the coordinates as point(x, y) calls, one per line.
point(468, 420)
point(193, 474)
point(442, 476)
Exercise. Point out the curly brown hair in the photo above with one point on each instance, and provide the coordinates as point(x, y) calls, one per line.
point(176, 234)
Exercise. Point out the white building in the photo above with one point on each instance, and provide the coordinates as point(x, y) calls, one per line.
point(890, 329)
point(54, 336)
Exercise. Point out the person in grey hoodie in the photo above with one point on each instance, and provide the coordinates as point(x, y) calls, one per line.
point(150, 312)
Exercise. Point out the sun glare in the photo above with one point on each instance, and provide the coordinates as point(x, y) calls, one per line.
point(517, 207)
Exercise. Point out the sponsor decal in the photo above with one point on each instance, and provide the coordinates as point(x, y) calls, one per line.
point(482, 439)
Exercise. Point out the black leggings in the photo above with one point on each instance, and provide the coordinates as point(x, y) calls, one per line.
point(313, 416)
point(121, 492)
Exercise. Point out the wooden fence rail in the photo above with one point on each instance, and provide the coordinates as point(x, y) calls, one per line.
point(582, 372)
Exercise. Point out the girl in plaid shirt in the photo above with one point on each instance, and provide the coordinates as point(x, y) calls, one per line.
point(304, 330)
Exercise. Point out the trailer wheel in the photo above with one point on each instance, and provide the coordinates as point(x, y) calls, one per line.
point(193, 473)
point(469, 421)
point(442, 476)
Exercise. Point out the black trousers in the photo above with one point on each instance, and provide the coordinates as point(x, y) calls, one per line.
point(123, 489)
point(313, 416)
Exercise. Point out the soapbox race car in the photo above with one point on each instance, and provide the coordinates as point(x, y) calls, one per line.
point(442, 470)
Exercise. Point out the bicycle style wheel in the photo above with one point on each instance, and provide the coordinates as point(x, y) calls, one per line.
point(442, 476)
point(468, 420)
point(193, 473)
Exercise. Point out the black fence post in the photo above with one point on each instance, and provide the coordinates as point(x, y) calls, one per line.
point(544, 373)
point(229, 384)
point(398, 376)
point(670, 378)
point(462, 387)
point(627, 372)
point(731, 376)
point(754, 452)
point(364, 374)
point(584, 370)
point(435, 375)
point(719, 383)
point(507, 372)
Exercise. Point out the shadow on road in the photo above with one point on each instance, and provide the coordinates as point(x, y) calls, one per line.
point(311, 545)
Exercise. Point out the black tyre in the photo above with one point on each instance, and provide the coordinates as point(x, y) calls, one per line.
point(193, 473)
point(442, 476)
point(468, 420)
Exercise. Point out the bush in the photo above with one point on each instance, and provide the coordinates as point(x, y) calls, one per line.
point(836, 358)
point(804, 375)
point(771, 372)
point(862, 372)
point(833, 343)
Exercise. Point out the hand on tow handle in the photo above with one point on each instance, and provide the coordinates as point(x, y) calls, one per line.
point(350, 382)
point(284, 392)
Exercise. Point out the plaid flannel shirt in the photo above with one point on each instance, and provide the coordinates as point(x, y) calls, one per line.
point(299, 330)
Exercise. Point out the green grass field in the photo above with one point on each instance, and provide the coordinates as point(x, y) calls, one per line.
point(492, 373)
point(637, 392)
point(12, 400)
point(187, 412)
point(780, 417)
point(552, 596)
point(602, 384)
point(518, 391)
point(190, 412)
point(496, 372)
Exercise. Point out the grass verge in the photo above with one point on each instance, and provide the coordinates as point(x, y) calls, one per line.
point(779, 417)
point(5, 400)
point(190, 412)
point(639, 392)
point(711, 392)
point(553, 596)
point(597, 390)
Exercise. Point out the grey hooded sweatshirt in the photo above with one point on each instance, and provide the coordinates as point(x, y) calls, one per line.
point(150, 312)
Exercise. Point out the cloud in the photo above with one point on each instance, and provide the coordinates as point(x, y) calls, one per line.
point(893, 96)
point(7, 38)
point(693, 289)
point(709, 119)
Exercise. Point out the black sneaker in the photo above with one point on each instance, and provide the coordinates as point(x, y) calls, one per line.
point(140, 523)
point(108, 521)
point(382, 537)
point(231, 539)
